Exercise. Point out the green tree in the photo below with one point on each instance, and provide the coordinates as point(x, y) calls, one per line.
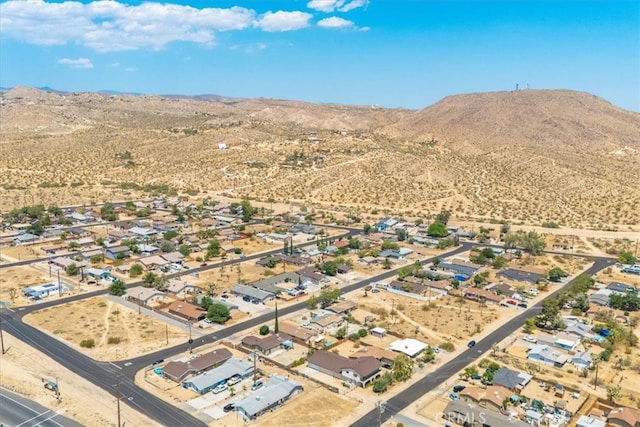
point(381, 384)
point(264, 330)
point(167, 247)
point(556, 274)
point(443, 217)
point(530, 325)
point(135, 270)
point(549, 317)
point(185, 250)
point(271, 262)
point(150, 279)
point(341, 333)
point(170, 235)
point(437, 229)
point(329, 296)
point(366, 228)
point(626, 258)
point(330, 268)
point(108, 212)
point(312, 302)
point(581, 302)
point(118, 288)
point(499, 262)
point(386, 264)
point(401, 234)
point(213, 250)
point(428, 355)
point(469, 371)
point(72, 269)
point(218, 313)
point(402, 368)
point(614, 393)
point(248, 211)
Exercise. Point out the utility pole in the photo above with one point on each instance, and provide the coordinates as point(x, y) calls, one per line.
point(380, 407)
point(59, 285)
point(166, 332)
point(190, 339)
point(118, 399)
point(595, 383)
point(2, 338)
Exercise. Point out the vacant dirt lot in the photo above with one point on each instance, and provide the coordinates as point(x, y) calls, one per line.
point(23, 369)
point(117, 332)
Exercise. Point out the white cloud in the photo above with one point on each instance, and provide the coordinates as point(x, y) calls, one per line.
point(76, 63)
point(283, 21)
point(335, 22)
point(325, 5)
point(354, 4)
point(113, 26)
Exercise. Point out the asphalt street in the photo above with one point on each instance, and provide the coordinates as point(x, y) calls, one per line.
point(106, 375)
point(432, 380)
point(16, 411)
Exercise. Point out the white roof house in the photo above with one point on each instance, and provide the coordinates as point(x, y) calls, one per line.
point(409, 346)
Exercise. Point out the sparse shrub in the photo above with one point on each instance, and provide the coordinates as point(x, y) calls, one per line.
point(88, 343)
point(113, 340)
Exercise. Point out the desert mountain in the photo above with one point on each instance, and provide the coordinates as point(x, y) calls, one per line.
point(528, 156)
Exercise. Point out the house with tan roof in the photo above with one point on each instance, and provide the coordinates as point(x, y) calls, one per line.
point(269, 343)
point(360, 371)
point(386, 357)
point(490, 397)
point(327, 321)
point(624, 417)
point(296, 332)
point(144, 296)
point(342, 307)
point(187, 311)
point(179, 288)
point(179, 370)
point(482, 295)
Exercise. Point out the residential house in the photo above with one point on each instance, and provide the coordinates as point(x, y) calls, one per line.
point(276, 391)
point(344, 268)
point(511, 380)
point(342, 307)
point(368, 260)
point(297, 333)
point(582, 360)
point(144, 296)
point(153, 262)
point(64, 263)
point(269, 343)
point(146, 250)
point(578, 328)
point(528, 274)
point(327, 321)
point(588, 421)
point(396, 254)
point(458, 270)
point(179, 370)
point(501, 289)
point(544, 354)
point(208, 380)
point(566, 341)
point(460, 412)
point(620, 287)
point(482, 295)
point(173, 257)
point(386, 357)
point(186, 310)
point(490, 397)
point(180, 288)
point(601, 297)
point(624, 417)
point(253, 293)
point(360, 371)
point(26, 238)
point(142, 232)
point(303, 228)
point(116, 252)
point(409, 346)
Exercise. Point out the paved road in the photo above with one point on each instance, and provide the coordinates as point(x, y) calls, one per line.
point(432, 380)
point(105, 375)
point(20, 412)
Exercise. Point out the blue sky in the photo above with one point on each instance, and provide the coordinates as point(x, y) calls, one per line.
point(392, 53)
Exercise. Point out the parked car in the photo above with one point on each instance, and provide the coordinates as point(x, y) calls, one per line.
point(458, 388)
point(204, 264)
point(157, 362)
point(51, 386)
point(453, 396)
point(471, 343)
point(512, 302)
point(234, 380)
point(523, 305)
point(220, 388)
point(229, 407)
point(530, 339)
point(246, 298)
point(476, 377)
point(256, 385)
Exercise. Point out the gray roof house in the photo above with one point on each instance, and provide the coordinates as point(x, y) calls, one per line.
point(582, 360)
point(208, 380)
point(251, 292)
point(544, 354)
point(601, 297)
point(620, 287)
point(276, 391)
point(26, 238)
point(511, 379)
point(458, 269)
point(520, 275)
point(578, 328)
